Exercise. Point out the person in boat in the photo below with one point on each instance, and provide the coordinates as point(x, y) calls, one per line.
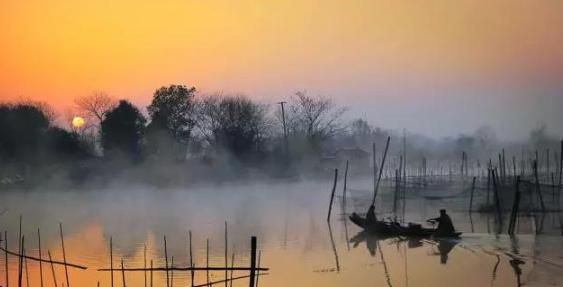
point(445, 224)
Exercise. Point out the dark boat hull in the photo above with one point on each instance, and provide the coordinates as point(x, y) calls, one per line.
point(396, 229)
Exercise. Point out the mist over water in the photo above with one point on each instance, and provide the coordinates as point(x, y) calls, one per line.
point(294, 238)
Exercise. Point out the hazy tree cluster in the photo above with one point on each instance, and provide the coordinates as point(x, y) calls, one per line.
point(28, 136)
point(183, 127)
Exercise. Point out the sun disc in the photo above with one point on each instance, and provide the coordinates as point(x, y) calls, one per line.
point(78, 122)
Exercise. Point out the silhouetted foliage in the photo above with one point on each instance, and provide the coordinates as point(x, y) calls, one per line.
point(64, 144)
point(172, 120)
point(21, 129)
point(122, 131)
point(233, 123)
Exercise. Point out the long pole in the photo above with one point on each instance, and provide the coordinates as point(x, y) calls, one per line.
point(345, 184)
point(64, 253)
point(52, 268)
point(166, 262)
point(380, 171)
point(191, 258)
point(40, 260)
point(286, 141)
point(252, 261)
point(226, 254)
point(332, 194)
point(111, 260)
point(6, 258)
point(472, 191)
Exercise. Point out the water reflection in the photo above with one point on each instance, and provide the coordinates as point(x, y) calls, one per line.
point(297, 244)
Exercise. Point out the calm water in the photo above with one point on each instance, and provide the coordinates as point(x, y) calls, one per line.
point(296, 242)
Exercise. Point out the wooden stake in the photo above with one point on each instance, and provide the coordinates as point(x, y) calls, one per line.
point(472, 191)
point(151, 273)
point(252, 261)
point(52, 268)
point(232, 271)
point(538, 190)
point(166, 262)
point(145, 263)
point(332, 194)
point(40, 259)
point(111, 259)
point(515, 207)
point(123, 273)
point(258, 273)
point(191, 257)
point(172, 272)
point(26, 268)
point(64, 253)
point(20, 265)
point(226, 253)
point(6, 258)
point(207, 259)
point(345, 183)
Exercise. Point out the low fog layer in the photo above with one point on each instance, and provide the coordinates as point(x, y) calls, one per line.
point(185, 138)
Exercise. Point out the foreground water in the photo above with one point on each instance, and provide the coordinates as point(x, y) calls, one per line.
point(295, 241)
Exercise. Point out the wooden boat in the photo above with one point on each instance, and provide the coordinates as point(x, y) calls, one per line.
point(391, 228)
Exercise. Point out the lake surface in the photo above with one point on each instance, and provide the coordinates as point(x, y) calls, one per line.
point(295, 241)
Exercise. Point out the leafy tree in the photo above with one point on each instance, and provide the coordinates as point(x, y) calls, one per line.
point(172, 120)
point(122, 130)
point(22, 127)
point(65, 145)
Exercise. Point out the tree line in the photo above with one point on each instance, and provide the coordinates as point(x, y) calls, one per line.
point(182, 126)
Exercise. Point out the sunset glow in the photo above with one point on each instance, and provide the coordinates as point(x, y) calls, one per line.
point(359, 52)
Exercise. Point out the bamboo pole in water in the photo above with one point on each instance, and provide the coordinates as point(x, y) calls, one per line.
point(380, 170)
point(40, 259)
point(345, 184)
point(52, 268)
point(151, 274)
point(515, 207)
point(226, 253)
point(538, 190)
point(19, 247)
point(172, 272)
point(145, 263)
point(252, 261)
point(258, 265)
point(64, 253)
point(232, 271)
point(332, 194)
point(497, 199)
point(166, 262)
point(207, 259)
point(123, 273)
point(26, 268)
point(20, 260)
point(471, 198)
point(111, 259)
point(6, 258)
point(191, 258)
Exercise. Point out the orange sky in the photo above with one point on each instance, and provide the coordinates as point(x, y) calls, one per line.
point(361, 52)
